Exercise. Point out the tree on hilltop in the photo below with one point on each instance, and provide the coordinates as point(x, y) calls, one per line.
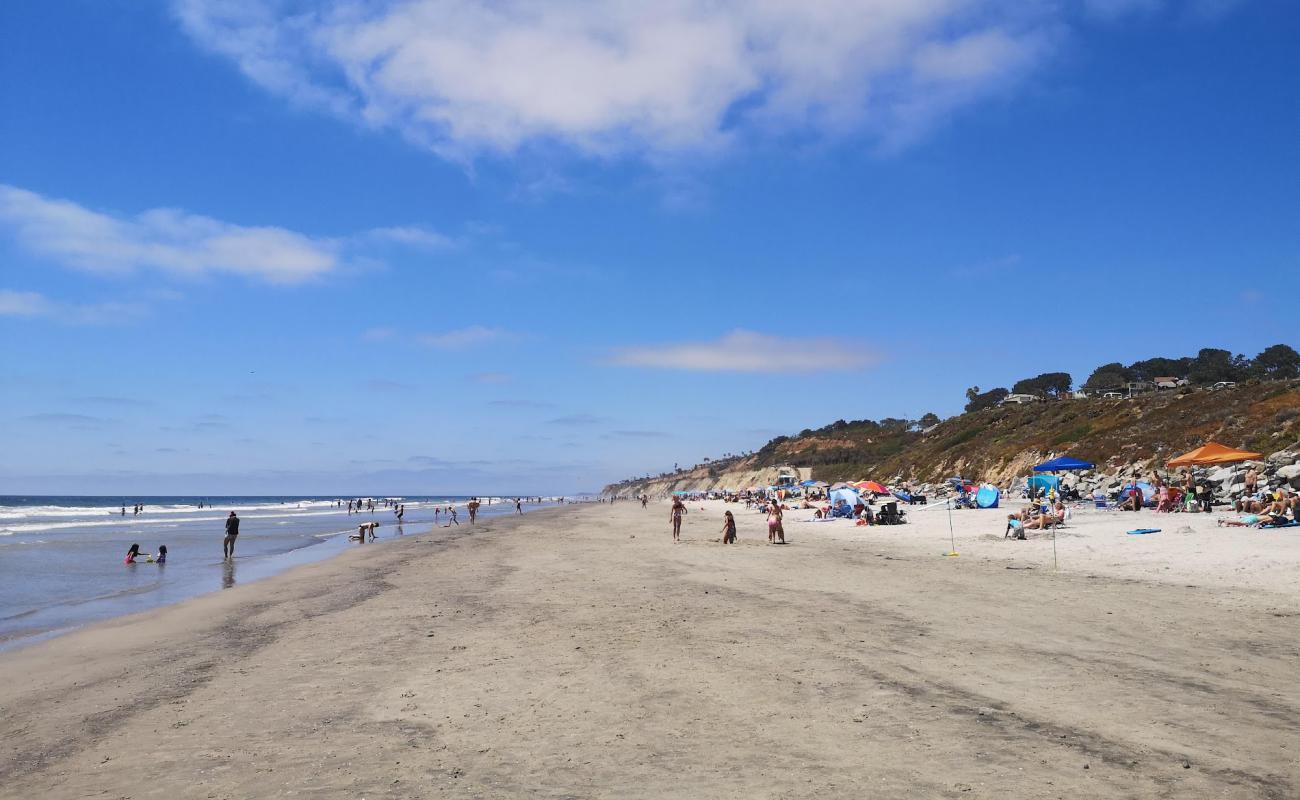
point(1049, 384)
point(1107, 376)
point(1153, 368)
point(1212, 365)
point(986, 399)
point(1278, 362)
point(929, 420)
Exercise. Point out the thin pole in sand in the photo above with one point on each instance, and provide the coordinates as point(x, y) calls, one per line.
point(952, 538)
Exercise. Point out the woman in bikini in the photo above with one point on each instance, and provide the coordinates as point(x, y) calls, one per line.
point(775, 531)
point(678, 511)
point(728, 528)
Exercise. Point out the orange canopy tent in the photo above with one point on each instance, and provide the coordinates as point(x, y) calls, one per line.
point(1212, 453)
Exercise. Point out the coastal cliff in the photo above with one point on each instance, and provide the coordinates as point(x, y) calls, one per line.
point(998, 444)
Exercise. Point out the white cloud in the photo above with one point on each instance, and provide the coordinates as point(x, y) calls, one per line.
point(606, 78)
point(23, 304)
point(162, 239)
point(413, 236)
point(378, 335)
point(747, 351)
point(463, 338)
point(32, 305)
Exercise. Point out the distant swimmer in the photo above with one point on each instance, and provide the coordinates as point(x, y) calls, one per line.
point(124, 511)
point(232, 533)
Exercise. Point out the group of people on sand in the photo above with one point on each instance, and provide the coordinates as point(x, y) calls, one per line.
point(1266, 509)
point(1033, 517)
point(773, 509)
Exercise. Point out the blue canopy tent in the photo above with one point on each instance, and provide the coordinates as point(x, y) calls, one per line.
point(1045, 482)
point(850, 497)
point(1058, 464)
point(1063, 463)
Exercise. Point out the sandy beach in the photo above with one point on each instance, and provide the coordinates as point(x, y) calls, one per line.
point(576, 652)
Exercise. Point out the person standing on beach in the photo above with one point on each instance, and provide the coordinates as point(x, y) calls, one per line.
point(728, 528)
point(775, 530)
point(473, 509)
point(1252, 481)
point(451, 517)
point(675, 516)
point(232, 533)
point(518, 506)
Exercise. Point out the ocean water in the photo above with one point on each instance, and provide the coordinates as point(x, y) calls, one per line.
point(61, 558)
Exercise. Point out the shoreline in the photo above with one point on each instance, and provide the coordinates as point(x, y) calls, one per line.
point(93, 587)
point(575, 651)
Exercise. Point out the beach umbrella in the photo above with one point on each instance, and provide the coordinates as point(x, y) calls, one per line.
point(840, 485)
point(1212, 453)
point(872, 486)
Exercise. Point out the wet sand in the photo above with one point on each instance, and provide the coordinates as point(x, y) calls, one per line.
point(577, 652)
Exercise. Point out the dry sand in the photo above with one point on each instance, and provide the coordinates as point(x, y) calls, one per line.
point(579, 653)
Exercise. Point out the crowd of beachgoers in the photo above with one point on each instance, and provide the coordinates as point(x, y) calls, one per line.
point(1243, 489)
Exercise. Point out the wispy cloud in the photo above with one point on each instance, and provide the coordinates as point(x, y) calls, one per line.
point(577, 420)
point(520, 404)
point(641, 434)
point(378, 335)
point(464, 338)
point(106, 400)
point(163, 239)
point(33, 305)
point(747, 351)
point(413, 236)
point(181, 244)
point(490, 377)
point(612, 78)
point(385, 386)
point(75, 421)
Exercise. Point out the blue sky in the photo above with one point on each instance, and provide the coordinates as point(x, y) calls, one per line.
point(267, 247)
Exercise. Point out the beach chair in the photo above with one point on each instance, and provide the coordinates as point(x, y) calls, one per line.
point(1101, 502)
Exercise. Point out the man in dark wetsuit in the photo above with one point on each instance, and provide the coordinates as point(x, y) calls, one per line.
point(232, 532)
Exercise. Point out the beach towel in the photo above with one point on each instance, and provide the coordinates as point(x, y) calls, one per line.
point(1289, 524)
point(1143, 531)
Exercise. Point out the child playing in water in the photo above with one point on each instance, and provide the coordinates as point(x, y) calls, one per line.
point(728, 528)
point(162, 554)
point(132, 554)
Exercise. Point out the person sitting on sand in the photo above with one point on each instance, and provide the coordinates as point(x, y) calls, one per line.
point(132, 554)
point(728, 528)
point(1015, 527)
point(1133, 502)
